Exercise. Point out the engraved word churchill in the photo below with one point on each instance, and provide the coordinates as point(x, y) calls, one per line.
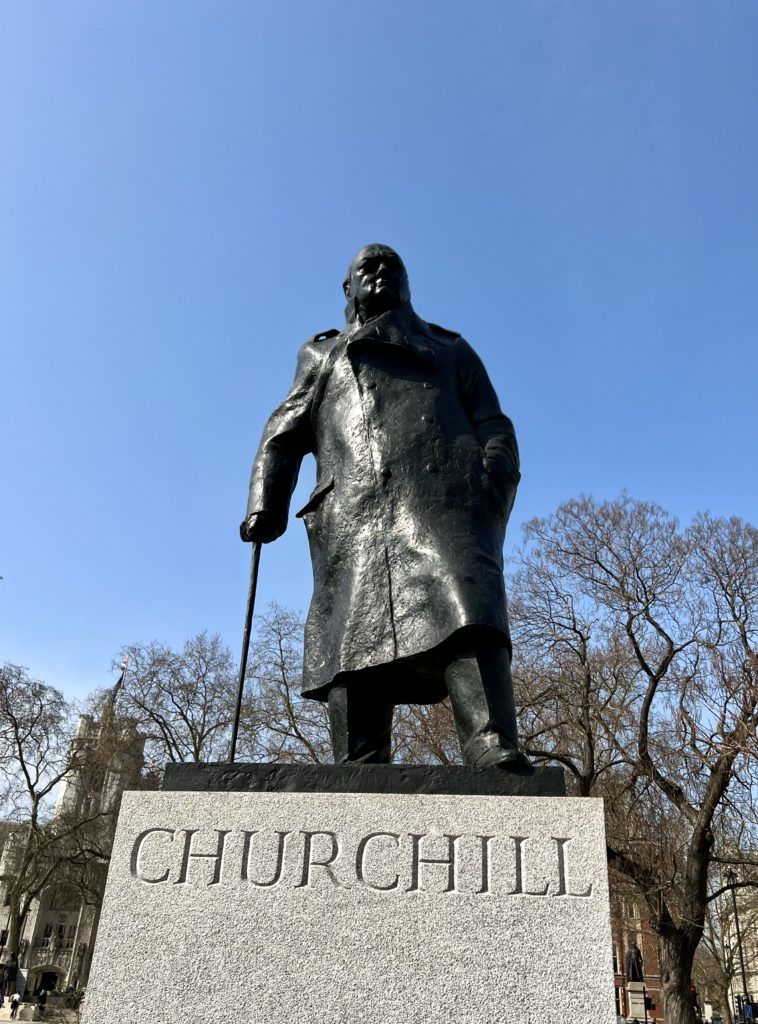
point(387, 862)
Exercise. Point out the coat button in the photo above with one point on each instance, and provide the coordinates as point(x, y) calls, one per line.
point(427, 419)
point(430, 468)
point(386, 472)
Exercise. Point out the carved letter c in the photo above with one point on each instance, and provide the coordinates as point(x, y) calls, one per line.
point(137, 849)
point(361, 854)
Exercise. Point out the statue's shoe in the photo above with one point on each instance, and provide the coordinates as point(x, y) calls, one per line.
point(503, 757)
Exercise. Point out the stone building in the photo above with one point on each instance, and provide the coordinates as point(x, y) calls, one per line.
point(59, 931)
point(739, 936)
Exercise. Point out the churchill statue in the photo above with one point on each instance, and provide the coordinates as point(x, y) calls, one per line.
point(417, 470)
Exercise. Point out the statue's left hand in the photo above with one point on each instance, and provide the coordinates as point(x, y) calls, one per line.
point(501, 485)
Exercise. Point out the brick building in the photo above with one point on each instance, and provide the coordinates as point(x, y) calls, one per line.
point(629, 926)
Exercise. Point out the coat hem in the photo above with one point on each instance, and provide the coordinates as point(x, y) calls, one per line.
point(427, 685)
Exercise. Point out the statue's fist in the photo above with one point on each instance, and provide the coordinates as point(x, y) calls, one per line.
point(260, 527)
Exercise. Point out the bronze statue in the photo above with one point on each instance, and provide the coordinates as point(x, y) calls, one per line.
point(634, 968)
point(417, 470)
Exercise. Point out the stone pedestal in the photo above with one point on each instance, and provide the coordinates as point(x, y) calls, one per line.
point(635, 991)
point(357, 907)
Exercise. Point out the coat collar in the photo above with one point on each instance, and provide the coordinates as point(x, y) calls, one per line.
point(400, 327)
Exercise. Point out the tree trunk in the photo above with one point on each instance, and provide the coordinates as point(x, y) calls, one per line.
point(13, 941)
point(720, 985)
point(14, 928)
point(676, 957)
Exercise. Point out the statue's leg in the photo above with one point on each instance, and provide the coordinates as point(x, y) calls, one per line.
point(360, 723)
point(479, 683)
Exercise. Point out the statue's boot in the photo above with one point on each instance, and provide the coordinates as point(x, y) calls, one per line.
point(479, 683)
point(360, 725)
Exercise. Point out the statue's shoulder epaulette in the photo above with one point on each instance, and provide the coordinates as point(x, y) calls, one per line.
point(323, 336)
point(444, 331)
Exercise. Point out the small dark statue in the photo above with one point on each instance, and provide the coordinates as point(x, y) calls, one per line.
point(417, 470)
point(634, 970)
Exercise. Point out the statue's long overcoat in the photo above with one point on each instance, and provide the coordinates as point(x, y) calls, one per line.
point(417, 468)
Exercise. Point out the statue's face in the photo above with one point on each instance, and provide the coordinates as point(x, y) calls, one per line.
point(377, 280)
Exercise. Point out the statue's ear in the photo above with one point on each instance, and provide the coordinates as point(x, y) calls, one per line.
point(346, 287)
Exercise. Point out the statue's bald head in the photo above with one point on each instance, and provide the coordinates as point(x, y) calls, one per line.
point(376, 282)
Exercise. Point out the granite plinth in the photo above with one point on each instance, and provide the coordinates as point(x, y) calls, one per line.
point(635, 991)
point(449, 780)
point(354, 908)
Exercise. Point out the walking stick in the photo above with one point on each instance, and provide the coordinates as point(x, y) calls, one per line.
point(256, 560)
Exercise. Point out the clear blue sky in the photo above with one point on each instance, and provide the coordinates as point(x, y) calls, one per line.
point(572, 184)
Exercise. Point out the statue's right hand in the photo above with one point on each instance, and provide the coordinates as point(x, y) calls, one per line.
point(261, 527)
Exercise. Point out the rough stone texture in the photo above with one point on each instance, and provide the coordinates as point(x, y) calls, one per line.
point(180, 946)
point(364, 778)
point(636, 993)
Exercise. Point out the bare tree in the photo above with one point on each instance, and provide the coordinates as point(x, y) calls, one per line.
point(182, 701)
point(282, 726)
point(716, 960)
point(39, 754)
point(425, 734)
point(638, 666)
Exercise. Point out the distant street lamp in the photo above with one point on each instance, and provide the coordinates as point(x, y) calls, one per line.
point(732, 881)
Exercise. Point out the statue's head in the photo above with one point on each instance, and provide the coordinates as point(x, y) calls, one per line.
point(376, 282)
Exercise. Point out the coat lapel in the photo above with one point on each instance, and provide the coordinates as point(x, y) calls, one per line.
point(400, 328)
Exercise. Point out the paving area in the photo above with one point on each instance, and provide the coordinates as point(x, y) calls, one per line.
point(27, 1011)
